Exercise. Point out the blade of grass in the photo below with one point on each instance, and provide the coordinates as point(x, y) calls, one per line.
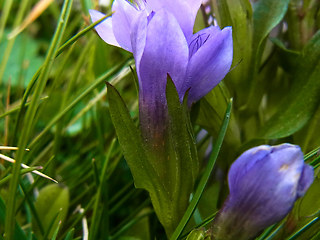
point(30, 115)
point(266, 232)
point(205, 177)
point(80, 34)
point(129, 224)
point(25, 166)
point(96, 216)
point(4, 16)
point(316, 236)
point(311, 153)
point(17, 108)
point(99, 96)
point(83, 94)
point(51, 225)
point(36, 11)
point(73, 223)
point(304, 228)
point(131, 216)
point(36, 75)
point(32, 208)
point(23, 7)
point(82, 59)
point(274, 232)
point(55, 234)
point(23, 171)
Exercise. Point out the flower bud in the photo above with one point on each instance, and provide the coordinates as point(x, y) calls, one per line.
point(264, 183)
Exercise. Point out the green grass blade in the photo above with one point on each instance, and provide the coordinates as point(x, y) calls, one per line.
point(95, 221)
point(303, 229)
point(80, 34)
point(266, 232)
point(204, 179)
point(4, 16)
point(30, 116)
point(23, 171)
point(130, 224)
point(23, 7)
point(36, 75)
point(83, 94)
point(274, 232)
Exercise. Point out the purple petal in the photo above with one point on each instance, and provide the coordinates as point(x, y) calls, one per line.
point(104, 29)
point(138, 39)
point(195, 5)
point(265, 182)
point(124, 15)
point(182, 11)
point(165, 52)
point(210, 63)
point(306, 180)
point(244, 163)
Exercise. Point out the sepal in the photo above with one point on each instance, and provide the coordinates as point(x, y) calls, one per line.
point(131, 142)
point(167, 172)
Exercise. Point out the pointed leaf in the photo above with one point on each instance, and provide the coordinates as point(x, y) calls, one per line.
point(182, 151)
point(266, 15)
point(52, 205)
point(301, 103)
point(18, 233)
point(205, 176)
point(131, 142)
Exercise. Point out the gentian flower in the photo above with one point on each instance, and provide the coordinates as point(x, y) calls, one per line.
point(264, 184)
point(159, 33)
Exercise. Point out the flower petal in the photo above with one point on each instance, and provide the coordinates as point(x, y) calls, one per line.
point(264, 183)
point(181, 10)
point(244, 163)
point(122, 19)
point(165, 52)
point(104, 29)
point(210, 63)
point(138, 39)
point(194, 5)
point(306, 180)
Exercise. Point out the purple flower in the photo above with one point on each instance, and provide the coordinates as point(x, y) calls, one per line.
point(264, 184)
point(159, 33)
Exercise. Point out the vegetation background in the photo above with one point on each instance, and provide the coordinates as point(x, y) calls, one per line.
point(53, 104)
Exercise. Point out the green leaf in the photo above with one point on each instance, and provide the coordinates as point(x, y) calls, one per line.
point(205, 176)
point(52, 206)
point(266, 15)
point(139, 161)
point(238, 14)
point(289, 59)
point(131, 142)
point(30, 117)
point(211, 115)
point(69, 235)
point(18, 233)
point(302, 101)
point(24, 60)
point(183, 165)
